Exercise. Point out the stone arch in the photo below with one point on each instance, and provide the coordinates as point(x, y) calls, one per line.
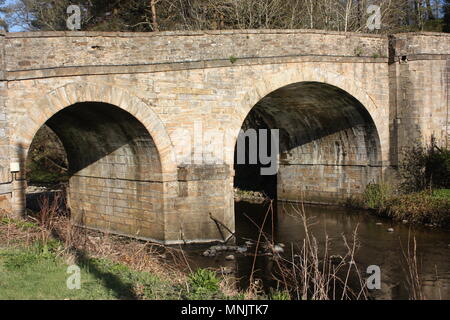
point(74, 93)
point(332, 135)
point(304, 73)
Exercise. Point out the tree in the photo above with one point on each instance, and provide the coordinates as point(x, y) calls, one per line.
point(429, 10)
point(98, 15)
point(156, 15)
point(447, 16)
point(3, 10)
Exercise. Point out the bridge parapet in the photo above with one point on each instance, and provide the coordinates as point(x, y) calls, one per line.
point(47, 50)
point(423, 45)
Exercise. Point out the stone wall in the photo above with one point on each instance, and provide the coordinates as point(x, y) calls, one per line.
point(45, 50)
point(422, 110)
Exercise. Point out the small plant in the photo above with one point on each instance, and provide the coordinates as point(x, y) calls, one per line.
point(203, 285)
point(279, 295)
point(442, 194)
point(233, 59)
point(376, 195)
point(358, 52)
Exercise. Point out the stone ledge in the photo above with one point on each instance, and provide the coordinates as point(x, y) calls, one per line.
point(203, 172)
point(5, 188)
point(178, 66)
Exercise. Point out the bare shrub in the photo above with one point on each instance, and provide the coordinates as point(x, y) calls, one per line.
point(312, 273)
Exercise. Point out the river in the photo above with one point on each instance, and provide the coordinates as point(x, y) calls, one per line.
point(376, 246)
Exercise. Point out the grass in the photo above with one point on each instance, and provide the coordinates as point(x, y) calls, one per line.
point(442, 194)
point(204, 285)
point(38, 272)
point(35, 255)
point(376, 195)
point(420, 208)
point(430, 208)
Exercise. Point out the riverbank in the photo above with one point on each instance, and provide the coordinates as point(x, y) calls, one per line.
point(428, 208)
point(35, 256)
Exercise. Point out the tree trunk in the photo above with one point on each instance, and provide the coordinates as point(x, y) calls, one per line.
point(154, 15)
point(430, 10)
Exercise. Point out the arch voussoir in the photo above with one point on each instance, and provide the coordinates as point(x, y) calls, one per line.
point(73, 93)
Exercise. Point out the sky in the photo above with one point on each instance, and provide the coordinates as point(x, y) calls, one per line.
point(15, 28)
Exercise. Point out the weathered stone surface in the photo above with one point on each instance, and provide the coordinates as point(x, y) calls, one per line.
point(348, 104)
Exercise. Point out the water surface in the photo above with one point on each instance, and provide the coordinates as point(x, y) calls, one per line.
point(376, 246)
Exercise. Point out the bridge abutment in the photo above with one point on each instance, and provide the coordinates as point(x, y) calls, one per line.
point(422, 79)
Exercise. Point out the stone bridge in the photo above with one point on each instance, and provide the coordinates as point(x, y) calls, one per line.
point(139, 115)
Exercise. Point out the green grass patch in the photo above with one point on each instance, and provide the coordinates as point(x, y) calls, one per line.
point(38, 273)
point(204, 285)
point(442, 194)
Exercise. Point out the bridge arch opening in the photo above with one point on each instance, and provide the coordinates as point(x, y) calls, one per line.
point(114, 169)
point(329, 147)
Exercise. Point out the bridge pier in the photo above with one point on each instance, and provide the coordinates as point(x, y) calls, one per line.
point(201, 191)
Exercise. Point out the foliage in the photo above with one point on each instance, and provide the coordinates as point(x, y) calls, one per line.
point(376, 195)
point(279, 295)
point(437, 168)
point(47, 160)
point(203, 285)
point(425, 167)
point(155, 15)
point(420, 208)
point(446, 27)
point(3, 10)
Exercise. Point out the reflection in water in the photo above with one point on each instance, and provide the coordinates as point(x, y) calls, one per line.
point(377, 246)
